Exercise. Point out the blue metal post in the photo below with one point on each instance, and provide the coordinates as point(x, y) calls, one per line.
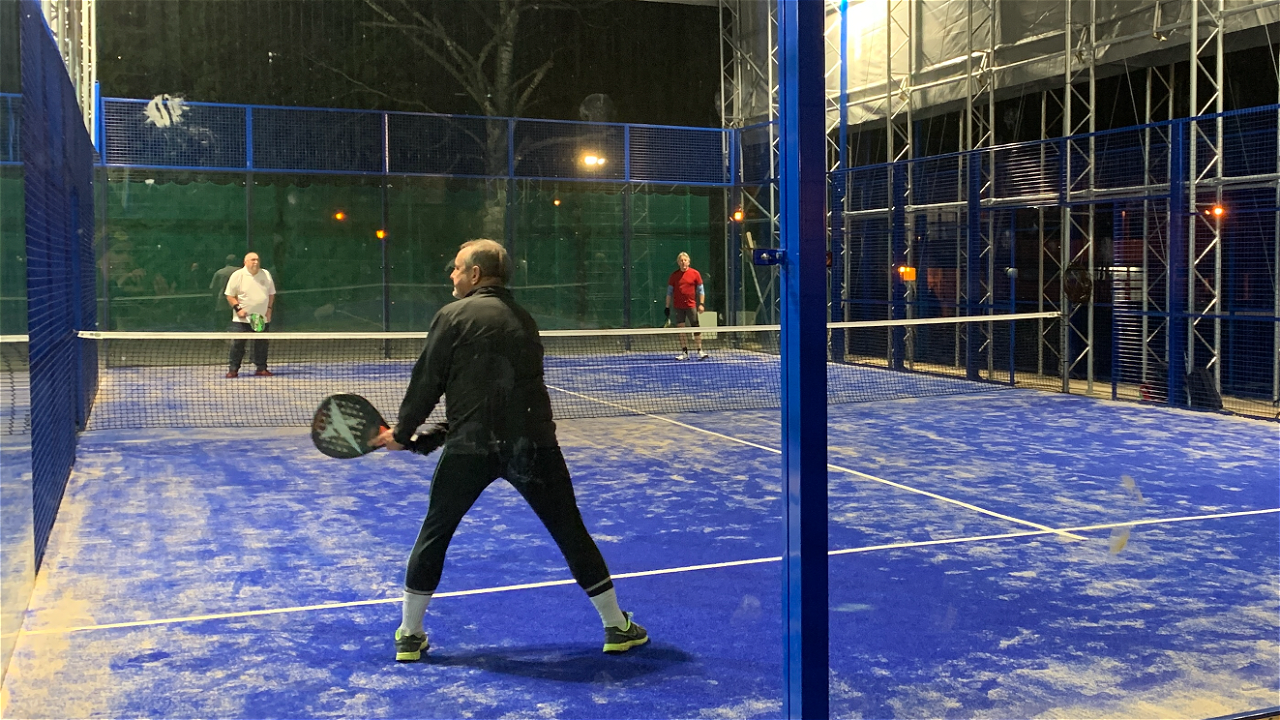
point(385, 240)
point(99, 124)
point(248, 178)
point(839, 187)
point(898, 236)
point(1012, 272)
point(1178, 268)
point(973, 257)
point(626, 228)
point(802, 161)
point(736, 277)
point(509, 218)
point(839, 183)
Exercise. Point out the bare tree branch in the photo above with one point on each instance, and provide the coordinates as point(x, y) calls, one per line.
point(365, 86)
point(538, 75)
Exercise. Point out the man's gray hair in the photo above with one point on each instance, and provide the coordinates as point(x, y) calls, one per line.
point(489, 256)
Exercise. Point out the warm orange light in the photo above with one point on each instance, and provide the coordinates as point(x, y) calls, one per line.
point(339, 216)
point(556, 202)
point(381, 234)
point(907, 272)
point(1219, 211)
point(737, 216)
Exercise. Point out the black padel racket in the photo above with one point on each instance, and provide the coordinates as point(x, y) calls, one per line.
point(344, 424)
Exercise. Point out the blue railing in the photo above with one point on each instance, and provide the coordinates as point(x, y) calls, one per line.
point(173, 134)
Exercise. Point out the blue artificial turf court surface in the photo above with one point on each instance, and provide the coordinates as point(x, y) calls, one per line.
point(1008, 554)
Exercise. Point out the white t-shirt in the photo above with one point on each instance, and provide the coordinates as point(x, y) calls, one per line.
point(252, 292)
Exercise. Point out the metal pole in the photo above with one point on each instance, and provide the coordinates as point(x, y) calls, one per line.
point(385, 240)
point(248, 178)
point(626, 256)
point(1178, 261)
point(802, 182)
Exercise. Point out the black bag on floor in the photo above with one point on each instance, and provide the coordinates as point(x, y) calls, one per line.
point(1202, 391)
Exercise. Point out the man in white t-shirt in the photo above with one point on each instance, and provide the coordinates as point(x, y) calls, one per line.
point(250, 291)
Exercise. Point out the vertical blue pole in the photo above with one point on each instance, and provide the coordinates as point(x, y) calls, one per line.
point(509, 218)
point(626, 228)
point(802, 161)
point(248, 178)
point(103, 211)
point(385, 240)
point(840, 188)
point(1013, 294)
point(973, 235)
point(99, 124)
point(839, 183)
point(1178, 268)
point(898, 236)
point(736, 278)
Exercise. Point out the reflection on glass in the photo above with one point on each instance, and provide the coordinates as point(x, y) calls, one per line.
point(318, 237)
point(164, 238)
point(17, 539)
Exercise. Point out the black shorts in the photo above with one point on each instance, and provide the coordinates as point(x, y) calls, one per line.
point(688, 316)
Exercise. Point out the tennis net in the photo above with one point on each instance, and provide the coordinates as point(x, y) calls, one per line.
point(178, 379)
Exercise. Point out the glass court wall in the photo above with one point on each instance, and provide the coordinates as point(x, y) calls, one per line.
point(357, 214)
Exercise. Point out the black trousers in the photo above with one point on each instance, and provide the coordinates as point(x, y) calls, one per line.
point(237, 347)
point(541, 477)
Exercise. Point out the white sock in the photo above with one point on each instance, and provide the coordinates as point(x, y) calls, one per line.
point(607, 605)
point(415, 606)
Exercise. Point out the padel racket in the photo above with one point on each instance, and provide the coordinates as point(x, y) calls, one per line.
point(344, 424)
point(257, 322)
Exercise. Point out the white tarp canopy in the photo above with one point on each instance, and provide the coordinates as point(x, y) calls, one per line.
point(927, 49)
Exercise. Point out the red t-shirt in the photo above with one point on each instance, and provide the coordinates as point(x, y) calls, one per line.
point(685, 284)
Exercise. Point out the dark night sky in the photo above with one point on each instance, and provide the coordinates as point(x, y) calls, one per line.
point(659, 62)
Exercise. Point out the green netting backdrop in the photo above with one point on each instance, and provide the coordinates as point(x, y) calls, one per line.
point(166, 238)
point(13, 253)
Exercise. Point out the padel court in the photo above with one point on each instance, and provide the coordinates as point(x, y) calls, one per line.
point(994, 554)
point(1005, 538)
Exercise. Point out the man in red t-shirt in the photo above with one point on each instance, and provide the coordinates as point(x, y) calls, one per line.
point(682, 287)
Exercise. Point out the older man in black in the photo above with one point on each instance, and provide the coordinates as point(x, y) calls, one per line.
point(483, 352)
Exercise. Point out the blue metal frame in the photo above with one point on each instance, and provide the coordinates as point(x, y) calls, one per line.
point(802, 216)
point(1178, 266)
point(249, 163)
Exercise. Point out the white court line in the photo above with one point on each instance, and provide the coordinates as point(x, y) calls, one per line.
point(647, 573)
point(830, 466)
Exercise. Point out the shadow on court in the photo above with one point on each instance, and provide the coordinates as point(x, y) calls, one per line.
point(567, 662)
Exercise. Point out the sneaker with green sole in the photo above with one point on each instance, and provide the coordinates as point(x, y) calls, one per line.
point(617, 640)
point(410, 647)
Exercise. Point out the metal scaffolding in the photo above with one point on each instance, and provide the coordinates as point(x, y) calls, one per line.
point(893, 63)
point(74, 24)
point(749, 104)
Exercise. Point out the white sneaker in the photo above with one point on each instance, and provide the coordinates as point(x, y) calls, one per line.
point(702, 355)
point(684, 355)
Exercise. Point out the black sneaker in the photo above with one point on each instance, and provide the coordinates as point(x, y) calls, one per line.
point(617, 640)
point(410, 647)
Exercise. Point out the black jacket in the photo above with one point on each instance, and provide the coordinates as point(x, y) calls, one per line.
point(484, 355)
